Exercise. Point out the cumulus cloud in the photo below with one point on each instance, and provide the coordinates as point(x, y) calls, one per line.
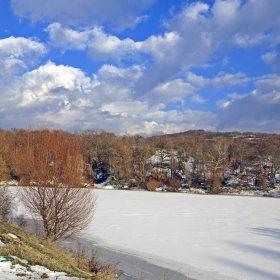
point(104, 46)
point(66, 97)
point(66, 38)
point(162, 67)
point(191, 39)
point(202, 30)
point(16, 54)
point(120, 14)
point(165, 93)
point(101, 45)
point(21, 48)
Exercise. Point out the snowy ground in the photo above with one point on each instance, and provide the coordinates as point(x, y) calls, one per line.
point(203, 236)
point(8, 271)
point(23, 270)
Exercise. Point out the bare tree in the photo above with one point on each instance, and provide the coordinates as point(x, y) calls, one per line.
point(51, 163)
point(216, 157)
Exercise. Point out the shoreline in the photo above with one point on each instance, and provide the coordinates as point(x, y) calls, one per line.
point(130, 267)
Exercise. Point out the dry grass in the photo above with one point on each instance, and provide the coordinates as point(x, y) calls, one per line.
point(46, 254)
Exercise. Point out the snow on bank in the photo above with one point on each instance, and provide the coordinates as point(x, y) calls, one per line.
point(8, 271)
point(206, 237)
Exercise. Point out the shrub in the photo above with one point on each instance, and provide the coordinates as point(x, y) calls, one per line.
point(91, 262)
point(153, 184)
point(173, 185)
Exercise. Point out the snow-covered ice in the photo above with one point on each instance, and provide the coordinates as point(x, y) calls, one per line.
point(203, 236)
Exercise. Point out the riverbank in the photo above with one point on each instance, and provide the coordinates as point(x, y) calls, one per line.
point(130, 267)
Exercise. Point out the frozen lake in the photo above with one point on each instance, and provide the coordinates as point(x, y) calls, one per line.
point(202, 236)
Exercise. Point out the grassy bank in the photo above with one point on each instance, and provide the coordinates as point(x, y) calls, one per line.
point(45, 253)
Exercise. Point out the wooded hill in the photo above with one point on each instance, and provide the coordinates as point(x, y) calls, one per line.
point(194, 158)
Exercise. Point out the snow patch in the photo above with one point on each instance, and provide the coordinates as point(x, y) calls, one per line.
point(13, 236)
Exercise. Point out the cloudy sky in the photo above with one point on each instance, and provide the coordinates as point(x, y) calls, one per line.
point(141, 66)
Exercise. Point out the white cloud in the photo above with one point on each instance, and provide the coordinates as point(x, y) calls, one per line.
point(21, 48)
point(16, 54)
point(133, 96)
point(171, 91)
point(273, 60)
point(101, 45)
point(248, 40)
point(66, 38)
point(226, 79)
point(203, 30)
point(120, 14)
point(255, 111)
point(225, 10)
point(268, 83)
point(223, 103)
point(196, 80)
point(104, 46)
point(160, 46)
point(65, 97)
point(190, 40)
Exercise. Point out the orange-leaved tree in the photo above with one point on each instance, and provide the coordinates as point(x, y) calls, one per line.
point(50, 163)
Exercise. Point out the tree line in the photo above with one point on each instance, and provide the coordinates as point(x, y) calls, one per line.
point(193, 157)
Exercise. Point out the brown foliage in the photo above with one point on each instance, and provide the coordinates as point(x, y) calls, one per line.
point(173, 185)
point(123, 160)
point(3, 170)
point(52, 161)
point(49, 158)
point(158, 175)
point(261, 181)
point(153, 184)
point(5, 155)
point(216, 184)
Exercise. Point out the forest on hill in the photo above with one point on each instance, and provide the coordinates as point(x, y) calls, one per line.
point(211, 161)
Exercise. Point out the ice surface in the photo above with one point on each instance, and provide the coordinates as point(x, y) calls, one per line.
point(203, 236)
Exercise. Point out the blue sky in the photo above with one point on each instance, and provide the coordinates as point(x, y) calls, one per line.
point(145, 66)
